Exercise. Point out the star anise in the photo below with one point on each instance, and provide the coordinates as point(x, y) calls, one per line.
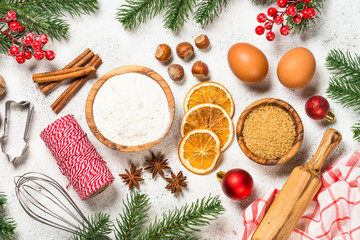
point(132, 177)
point(176, 182)
point(156, 164)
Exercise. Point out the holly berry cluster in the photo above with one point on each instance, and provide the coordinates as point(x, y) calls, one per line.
point(27, 46)
point(274, 16)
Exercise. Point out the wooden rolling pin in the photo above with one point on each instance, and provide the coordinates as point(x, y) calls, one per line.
point(296, 194)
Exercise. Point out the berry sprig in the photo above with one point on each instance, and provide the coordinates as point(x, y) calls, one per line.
point(274, 16)
point(27, 46)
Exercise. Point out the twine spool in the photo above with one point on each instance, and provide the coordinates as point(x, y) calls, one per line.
point(76, 157)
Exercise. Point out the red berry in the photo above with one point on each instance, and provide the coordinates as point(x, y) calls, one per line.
point(14, 50)
point(36, 45)
point(272, 12)
point(307, 1)
point(285, 30)
point(282, 3)
point(50, 55)
point(297, 18)
point(261, 17)
point(21, 29)
point(268, 25)
point(14, 26)
point(311, 12)
point(305, 13)
point(28, 40)
point(43, 38)
point(27, 55)
point(20, 59)
point(39, 54)
point(278, 20)
point(11, 15)
point(270, 36)
point(291, 11)
point(259, 30)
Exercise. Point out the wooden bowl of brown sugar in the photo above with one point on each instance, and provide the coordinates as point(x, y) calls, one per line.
point(270, 131)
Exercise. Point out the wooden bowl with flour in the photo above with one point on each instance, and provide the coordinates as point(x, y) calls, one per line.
point(122, 116)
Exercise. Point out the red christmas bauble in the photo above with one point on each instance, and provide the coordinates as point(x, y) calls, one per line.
point(317, 107)
point(237, 184)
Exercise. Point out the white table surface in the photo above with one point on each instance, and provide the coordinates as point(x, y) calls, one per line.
point(337, 28)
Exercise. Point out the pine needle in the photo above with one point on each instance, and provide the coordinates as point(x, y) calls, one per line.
point(135, 12)
point(344, 85)
point(343, 65)
point(133, 217)
point(207, 10)
point(45, 16)
point(356, 131)
point(177, 14)
point(184, 222)
point(97, 227)
point(344, 91)
point(7, 225)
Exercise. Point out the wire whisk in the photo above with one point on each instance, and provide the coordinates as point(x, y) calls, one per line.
point(46, 201)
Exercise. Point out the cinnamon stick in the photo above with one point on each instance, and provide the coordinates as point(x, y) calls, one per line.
point(79, 61)
point(61, 75)
point(74, 87)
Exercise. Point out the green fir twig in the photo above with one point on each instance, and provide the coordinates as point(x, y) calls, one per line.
point(135, 12)
point(184, 222)
point(133, 217)
point(7, 225)
point(344, 85)
point(177, 13)
point(45, 16)
point(97, 227)
point(208, 10)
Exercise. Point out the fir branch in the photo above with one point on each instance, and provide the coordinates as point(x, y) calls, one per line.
point(184, 222)
point(177, 14)
point(135, 12)
point(133, 217)
point(44, 16)
point(97, 227)
point(7, 225)
point(55, 7)
point(207, 10)
point(343, 65)
point(344, 91)
point(356, 131)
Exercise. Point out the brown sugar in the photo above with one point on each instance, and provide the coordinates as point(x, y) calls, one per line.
point(269, 132)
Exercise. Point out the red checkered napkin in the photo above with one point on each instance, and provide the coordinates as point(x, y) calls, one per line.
point(334, 214)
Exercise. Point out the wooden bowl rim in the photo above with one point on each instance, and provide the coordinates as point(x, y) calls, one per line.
point(123, 70)
point(298, 128)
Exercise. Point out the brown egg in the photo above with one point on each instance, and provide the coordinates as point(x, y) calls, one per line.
point(248, 63)
point(296, 68)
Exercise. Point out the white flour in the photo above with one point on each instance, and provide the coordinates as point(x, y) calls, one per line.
point(131, 109)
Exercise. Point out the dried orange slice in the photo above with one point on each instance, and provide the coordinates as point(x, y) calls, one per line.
point(209, 92)
point(199, 151)
point(209, 116)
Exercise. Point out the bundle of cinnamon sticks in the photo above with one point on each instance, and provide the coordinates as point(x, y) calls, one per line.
point(79, 69)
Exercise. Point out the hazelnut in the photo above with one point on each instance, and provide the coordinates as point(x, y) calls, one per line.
point(184, 50)
point(202, 41)
point(176, 72)
point(200, 70)
point(163, 53)
point(2, 86)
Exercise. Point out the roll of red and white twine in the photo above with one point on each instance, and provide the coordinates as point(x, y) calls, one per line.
point(77, 158)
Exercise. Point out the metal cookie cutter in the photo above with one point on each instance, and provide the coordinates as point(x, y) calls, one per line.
point(8, 106)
